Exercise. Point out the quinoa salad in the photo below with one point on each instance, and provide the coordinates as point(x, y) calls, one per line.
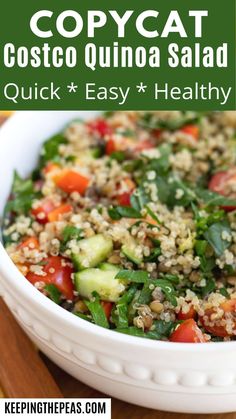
point(129, 222)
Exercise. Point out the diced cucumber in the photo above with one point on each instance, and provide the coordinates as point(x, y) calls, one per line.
point(109, 267)
point(103, 282)
point(129, 250)
point(92, 251)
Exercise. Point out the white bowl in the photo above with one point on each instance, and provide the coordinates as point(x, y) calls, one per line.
point(193, 378)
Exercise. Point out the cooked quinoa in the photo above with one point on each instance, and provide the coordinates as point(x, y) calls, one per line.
point(129, 222)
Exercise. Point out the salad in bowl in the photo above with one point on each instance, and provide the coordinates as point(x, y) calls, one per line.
point(129, 222)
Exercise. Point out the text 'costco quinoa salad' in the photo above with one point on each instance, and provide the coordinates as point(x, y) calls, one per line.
point(129, 222)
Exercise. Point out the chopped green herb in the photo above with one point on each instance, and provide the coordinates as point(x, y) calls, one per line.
point(70, 159)
point(139, 198)
point(164, 328)
point(151, 122)
point(98, 151)
point(145, 294)
point(168, 290)
point(120, 311)
point(22, 196)
point(53, 293)
point(97, 311)
point(153, 255)
point(160, 165)
point(210, 287)
point(215, 237)
point(121, 319)
point(133, 165)
point(173, 191)
point(174, 279)
point(213, 199)
point(50, 150)
point(116, 213)
point(133, 276)
point(152, 214)
point(118, 156)
point(70, 233)
point(224, 292)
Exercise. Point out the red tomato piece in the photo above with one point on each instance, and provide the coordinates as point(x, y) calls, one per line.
point(70, 181)
point(216, 328)
point(30, 242)
point(124, 199)
point(110, 147)
point(42, 211)
point(220, 183)
point(56, 214)
point(144, 145)
point(58, 273)
point(157, 133)
point(188, 332)
point(100, 127)
point(107, 307)
point(191, 314)
point(192, 130)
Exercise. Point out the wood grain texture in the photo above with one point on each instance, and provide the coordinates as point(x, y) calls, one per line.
point(120, 410)
point(22, 371)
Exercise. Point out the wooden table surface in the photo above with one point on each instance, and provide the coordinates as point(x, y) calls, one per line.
point(72, 388)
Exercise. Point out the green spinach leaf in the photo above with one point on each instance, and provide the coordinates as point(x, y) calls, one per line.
point(215, 237)
point(50, 149)
point(53, 293)
point(116, 213)
point(97, 311)
point(139, 277)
